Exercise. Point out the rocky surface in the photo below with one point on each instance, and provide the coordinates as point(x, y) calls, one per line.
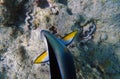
point(22, 20)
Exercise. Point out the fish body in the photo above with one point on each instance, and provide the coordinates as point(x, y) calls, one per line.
point(60, 58)
point(66, 40)
point(61, 61)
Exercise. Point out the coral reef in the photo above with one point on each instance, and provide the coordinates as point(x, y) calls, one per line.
point(96, 54)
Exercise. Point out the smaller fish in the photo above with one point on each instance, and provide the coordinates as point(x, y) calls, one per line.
point(44, 57)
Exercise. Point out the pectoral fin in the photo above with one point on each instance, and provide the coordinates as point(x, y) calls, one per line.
point(68, 38)
point(42, 58)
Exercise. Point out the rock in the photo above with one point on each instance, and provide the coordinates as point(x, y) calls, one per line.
point(20, 42)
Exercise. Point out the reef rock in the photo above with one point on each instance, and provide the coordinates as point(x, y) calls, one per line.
point(21, 21)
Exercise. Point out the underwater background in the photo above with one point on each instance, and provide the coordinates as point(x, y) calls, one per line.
point(96, 55)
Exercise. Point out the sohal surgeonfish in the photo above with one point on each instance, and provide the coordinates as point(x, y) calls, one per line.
point(58, 55)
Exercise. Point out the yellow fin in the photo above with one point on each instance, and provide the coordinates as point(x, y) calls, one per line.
point(69, 38)
point(41, 57)
point(70, 35)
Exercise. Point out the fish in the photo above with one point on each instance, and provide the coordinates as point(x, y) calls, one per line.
point(43, 57)
point(60, 58)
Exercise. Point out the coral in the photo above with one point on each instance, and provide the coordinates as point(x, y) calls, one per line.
point(21, 21)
